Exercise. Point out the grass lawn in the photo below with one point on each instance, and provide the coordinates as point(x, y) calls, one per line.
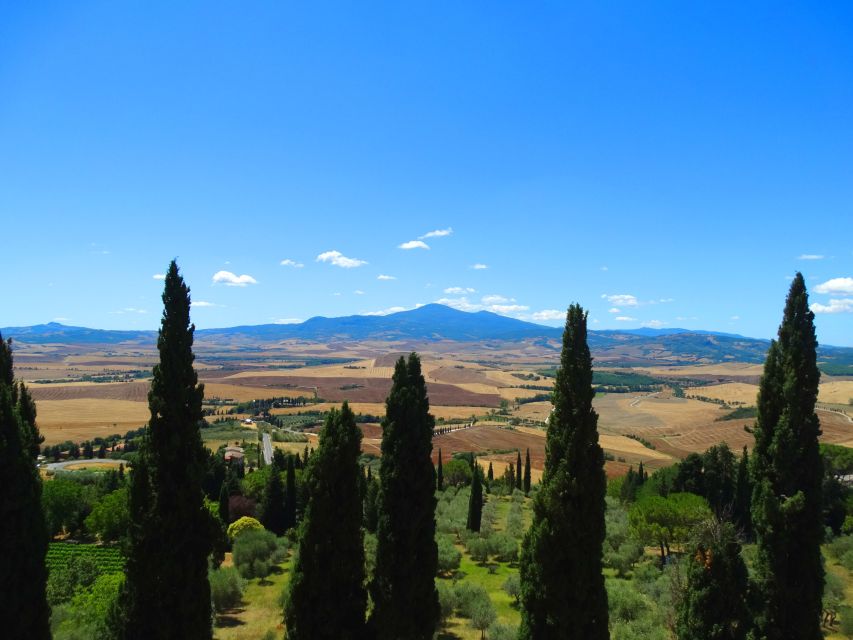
point(261, 611)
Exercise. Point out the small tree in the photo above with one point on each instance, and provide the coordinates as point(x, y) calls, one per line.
point(475, 502)
point(527, 472)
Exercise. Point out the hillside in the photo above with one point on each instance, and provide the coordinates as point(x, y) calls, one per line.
point(434, 323)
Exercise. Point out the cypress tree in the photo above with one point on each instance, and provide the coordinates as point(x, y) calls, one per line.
point(405, 600)
point(290, 494)
point(713, 606)
point(787, 473)
point(491, 475)
point(371, 506)
point(518, 473)
point(326, 599)
point(23, 533)
point(272, 507)
point(527, 472)
point(439, 483)
point(224, 499)
point(166, 593)
point(562, 585)
point(743, 496)
point(642, 475)
point(475, 501)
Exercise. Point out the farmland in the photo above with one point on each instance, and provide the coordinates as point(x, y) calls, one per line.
point(460, 385)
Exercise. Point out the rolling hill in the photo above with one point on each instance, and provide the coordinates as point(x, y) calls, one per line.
point(435, 322)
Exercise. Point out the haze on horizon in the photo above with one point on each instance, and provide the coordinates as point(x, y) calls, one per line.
point(301, 161)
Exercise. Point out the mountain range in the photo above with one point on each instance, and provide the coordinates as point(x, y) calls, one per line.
point(435, 322)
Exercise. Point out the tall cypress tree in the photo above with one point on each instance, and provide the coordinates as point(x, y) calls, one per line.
point(326, 599)
point(439, 482)
point(519, 478)
point(475, 501)
point(713, 606)
point(23, 533)
point(787, 473)
point(166, 594)
point(272, 507)
point(743, 496)
point(290, 494)
point(491, 475)
point(562, 585)
point(405, 600)
point(527, 472)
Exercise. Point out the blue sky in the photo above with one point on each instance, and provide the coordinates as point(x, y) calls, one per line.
point(662, 164)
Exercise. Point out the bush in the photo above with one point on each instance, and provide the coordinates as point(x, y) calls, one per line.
point(467, 596)
point(504, 547)
point(63, 504)
point(500, 631)
point(226, 588)
point(110, 516)
point(447, 600)
point(88, 614)
point(512, 587)
point(478, 548)
point(255, 551)
point(243, 524)
point(457, 473)
point(449, 556)
point(64, 582)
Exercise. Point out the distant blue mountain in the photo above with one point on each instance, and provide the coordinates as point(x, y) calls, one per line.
point(435, 322)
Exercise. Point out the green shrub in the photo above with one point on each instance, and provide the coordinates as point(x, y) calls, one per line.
point(255, 552)
point(110, 516)
point(498, 631)
point(468, 594)
point(242, 525)
point(512, 587)
point(63, 582)
point(226, 588)
point(447, 600)
point(449, 556)
point(503, 547)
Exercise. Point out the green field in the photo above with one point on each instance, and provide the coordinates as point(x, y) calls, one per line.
point(108, 559)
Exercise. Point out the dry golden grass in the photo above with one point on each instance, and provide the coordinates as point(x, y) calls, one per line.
point(838, 391)
point(728, 392)
point(242, 394)
point(725, 369)
point(84, 419)
point(101, 465)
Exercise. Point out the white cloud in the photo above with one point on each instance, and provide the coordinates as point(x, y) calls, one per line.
point(810, 256)
point(337, 293)
point(548, 314)
point(836, 305)
point(507, 308)
point(621, 299)
point(463, 304)
point(159, 276)
point(735, 318)
point(358, 292)
point(414, 244)
point(665, 300)
point(128, 310)
point(288, 321)
point(842, 286)
point(479, 266)
point(287, 262)
point(438, 233)
point(202, 303)
point(626, 319)
point(382, 276)
point(614, 310)
point(232, 280)
point(458, 291)
point(495, 299)
point(653, 324)
point(340, 260)
point(384, 312)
